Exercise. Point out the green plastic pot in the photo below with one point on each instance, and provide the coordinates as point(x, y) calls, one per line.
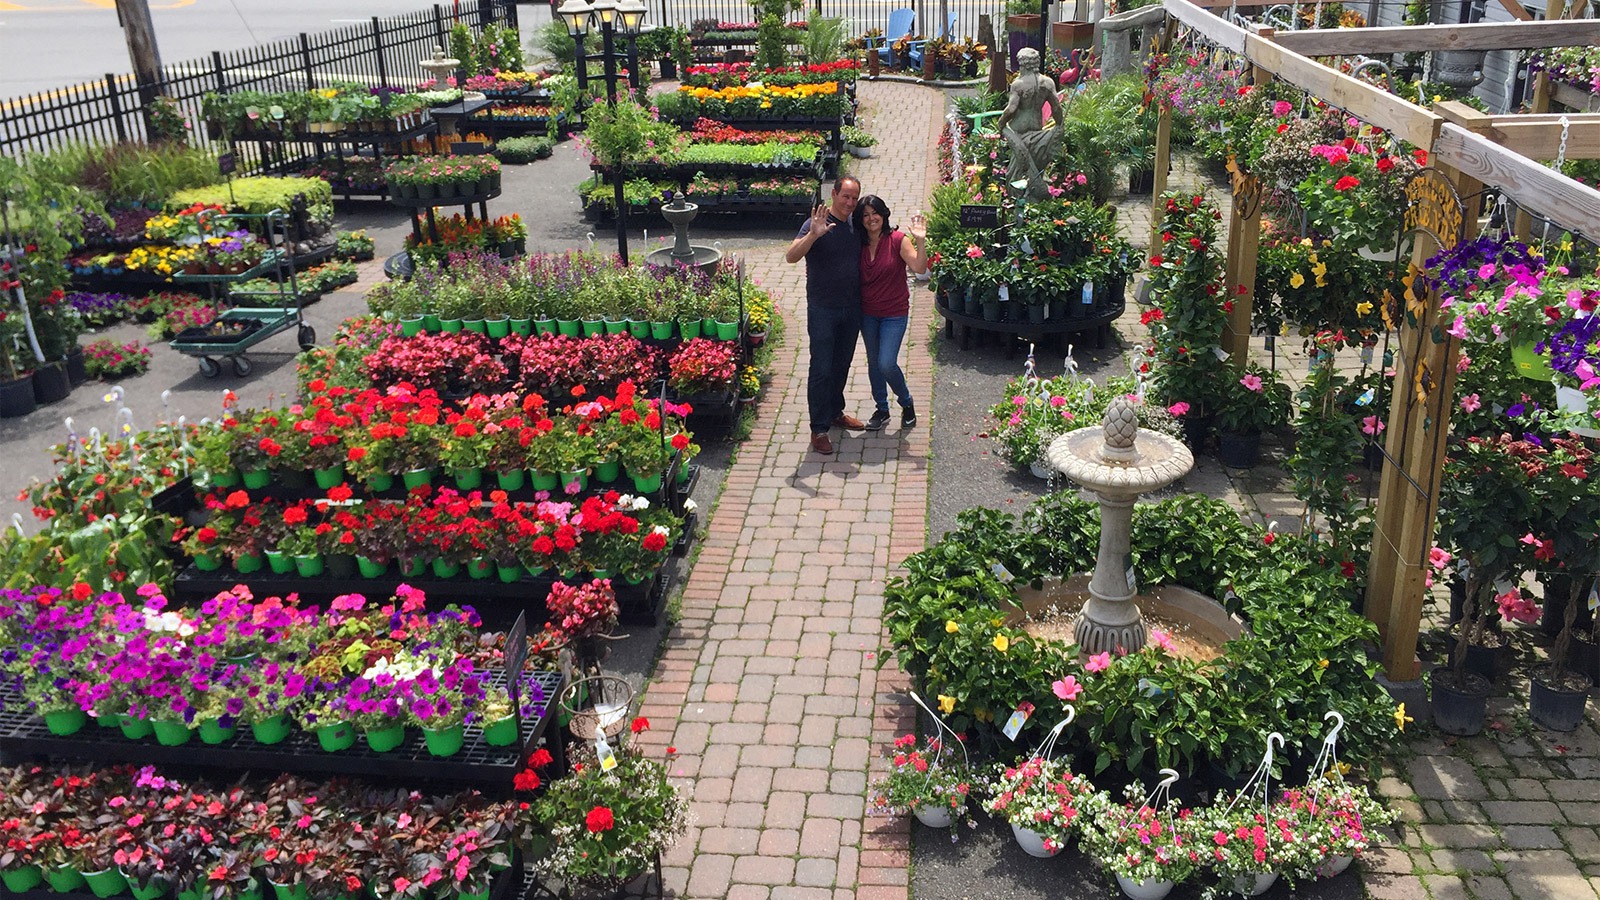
point(445, 568)
point(469, 479)
point(482, 894)
point(661, 331)
point(309, 565)
point(212, 732)
point(411, 326)
point(197, 892)
point(450, 326)
point(415, 478)
point(291, 891)
point(523, 327)
point(106, 883)
point(383, 740)
point(727, 331)
point(544, 481)
point(416, 568)
point(592, 327)
point(170, 733)
point(371, 568)
point(511, 480)
point(336, 737)
point(157, 887)
point(479, 568)
point(689, 328)
point(256, 479)
point(546, 326)
point(607, 471)
point(432, 323)
point(65, 722)
point(569, 327)
point(133, 728)
point(280, 562)
point(225, 478)
point(508, 574)
point(245, 563)
point(639, 328)
point(647, 484)
point(63, 879)
point(274, 730)
point(331, 477)
point(445, 741)
point(616, 326)
point(501, 732)
point(207, 562)
point(498, 328)
point(379, 482)
point(478, 325)
point(22, 878)
point(581, 477)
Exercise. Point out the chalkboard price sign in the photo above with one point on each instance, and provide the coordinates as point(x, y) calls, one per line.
point(973, 216)
point(228, 163)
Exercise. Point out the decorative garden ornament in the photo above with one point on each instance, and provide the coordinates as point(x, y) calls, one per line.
point(1033, 144)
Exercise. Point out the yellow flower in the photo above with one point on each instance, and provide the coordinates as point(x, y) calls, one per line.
point(1319, 270)
point(1400, 717)
point(1296, 280)
point(1337, 769)
point(1363, 307)
point(1322, 664)
point(951, 627)
point(1001, 643)
point(947, 704)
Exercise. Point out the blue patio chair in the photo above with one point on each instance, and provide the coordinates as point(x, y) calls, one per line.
point(900, 22)
point(914, 50)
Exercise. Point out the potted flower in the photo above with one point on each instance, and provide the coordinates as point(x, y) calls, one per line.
point(1247, 406)
point(1250, 844)
point(607, 827)
point(1042, 799)
point(447, 688)
point(929, 780)
point(1338, 821)
point(1148, 848)
point(701, 366)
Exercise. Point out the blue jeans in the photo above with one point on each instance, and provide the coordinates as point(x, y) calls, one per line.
point(833, 333)
point(883, 335)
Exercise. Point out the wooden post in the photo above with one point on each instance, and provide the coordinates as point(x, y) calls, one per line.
point(997, 58)
point(140, 31)
point(1163, 148)
point(1541, 104)
point(1244, 245)
point(1418, 426)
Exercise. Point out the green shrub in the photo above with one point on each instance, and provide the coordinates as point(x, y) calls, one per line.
point(523, 149)
point(127, 174)
point(262, 194)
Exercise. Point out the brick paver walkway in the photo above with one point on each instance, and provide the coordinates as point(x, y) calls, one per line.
point(769, 687)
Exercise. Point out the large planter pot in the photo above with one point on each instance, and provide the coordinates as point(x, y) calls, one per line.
point(1461, 69)
point(1558, 706)
point(934, 816)
point(77, 366)
point(16, 397)
point(1071, 35)
point(1586, 657)
point(51, 384)
point(1487, 661)
point(1334, 865)
point(1254, 885)
point(1238, 451)
point(1459, 709)
point(1032, 842)
point(1144, 890)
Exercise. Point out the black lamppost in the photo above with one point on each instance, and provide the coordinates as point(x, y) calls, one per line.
point(611, 17)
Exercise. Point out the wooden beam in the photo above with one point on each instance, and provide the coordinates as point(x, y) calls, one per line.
point(1567, 95)
point(1411, 38)
point(1543, 190)
point(1405, 120)
point(1517, 10)
point(1224, 34)
point(1541, 140)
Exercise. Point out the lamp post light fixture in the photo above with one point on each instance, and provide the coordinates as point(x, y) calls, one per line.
point(611, 17)
point(575, 15)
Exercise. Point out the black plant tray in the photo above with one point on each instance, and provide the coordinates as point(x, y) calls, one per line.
point(644, 604)
point(490, 769)
point(681, 545)
point(525, 494)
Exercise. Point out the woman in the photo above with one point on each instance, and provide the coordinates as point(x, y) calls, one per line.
point(886, 254)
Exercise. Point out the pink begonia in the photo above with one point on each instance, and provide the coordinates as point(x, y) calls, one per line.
point(1016, 419)
point(1282, 108)
point(1057, 400)
point(1098, 663)
point(1179, 408)
point(1082, 179)
point(1161, 640)
point(1019, 400)
point(1067, 688)
point(1251, 383)
point(1471, 403)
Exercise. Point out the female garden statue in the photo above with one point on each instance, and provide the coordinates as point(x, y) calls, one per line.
point(1033, 144)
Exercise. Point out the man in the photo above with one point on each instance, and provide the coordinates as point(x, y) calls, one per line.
point(832, 251)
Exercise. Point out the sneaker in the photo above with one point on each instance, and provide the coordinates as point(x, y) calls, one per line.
point(879, 419)
point(908, 417)
point(821, 443)
point(848, 422)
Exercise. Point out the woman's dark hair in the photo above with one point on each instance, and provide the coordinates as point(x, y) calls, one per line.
point(878, 206)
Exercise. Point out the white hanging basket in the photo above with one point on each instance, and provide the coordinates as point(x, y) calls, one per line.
point(1144, 890)
point(1032, 842)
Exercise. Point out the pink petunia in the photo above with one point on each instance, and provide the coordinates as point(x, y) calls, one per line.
point(1471, 403)
point(1161, 640)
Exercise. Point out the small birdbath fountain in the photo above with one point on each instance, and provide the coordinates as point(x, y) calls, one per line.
point(1116, 461)
point(442, 67)
point(679, 214)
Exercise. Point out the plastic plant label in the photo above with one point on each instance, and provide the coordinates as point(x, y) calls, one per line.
point(1503, 585)
point(1088, 293)
point(1027, 247)
point(1221, 354)
point(1133, 584)
point(1594, 598)
point(1367, 396)
point(1000, 571)
point(1019, 718)
point(1005, 293)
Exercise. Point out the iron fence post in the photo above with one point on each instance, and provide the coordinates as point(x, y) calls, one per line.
point(305, 60)
point(377, 46)
point(116, 107)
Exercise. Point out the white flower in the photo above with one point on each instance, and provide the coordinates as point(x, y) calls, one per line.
point(690, 505)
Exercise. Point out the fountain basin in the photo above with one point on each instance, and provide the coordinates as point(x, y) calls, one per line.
point(706, 259)
point(1199, 625)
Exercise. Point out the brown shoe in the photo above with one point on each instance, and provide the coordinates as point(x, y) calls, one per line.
point(849, 421)
point(821, 443)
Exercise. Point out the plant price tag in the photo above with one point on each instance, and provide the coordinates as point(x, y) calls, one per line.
point(1005, 293)
point(1088, 293)
point(1594, 598)
point(1018, 719)
point(608, 758)
point(1000, 571)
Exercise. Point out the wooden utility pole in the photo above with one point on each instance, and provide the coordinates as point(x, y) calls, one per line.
point(134, 17)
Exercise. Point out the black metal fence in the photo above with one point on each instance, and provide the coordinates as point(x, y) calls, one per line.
point(385, 51)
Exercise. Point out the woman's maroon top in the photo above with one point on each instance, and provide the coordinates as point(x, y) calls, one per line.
point(883, 280)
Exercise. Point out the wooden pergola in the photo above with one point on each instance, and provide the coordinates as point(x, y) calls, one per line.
point(1467, 150)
